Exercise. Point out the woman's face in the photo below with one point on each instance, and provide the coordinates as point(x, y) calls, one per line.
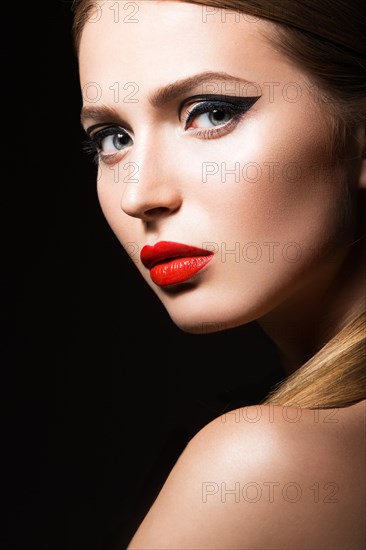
point(211, 138)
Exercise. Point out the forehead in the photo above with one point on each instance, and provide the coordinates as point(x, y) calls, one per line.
point(154, 42)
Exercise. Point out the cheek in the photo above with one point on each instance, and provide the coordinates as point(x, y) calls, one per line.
point(124, 227)
point(109, 195)
point(279, 185)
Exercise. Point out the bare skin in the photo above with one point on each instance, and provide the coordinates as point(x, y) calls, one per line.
point(291, 204)
point(262, 478)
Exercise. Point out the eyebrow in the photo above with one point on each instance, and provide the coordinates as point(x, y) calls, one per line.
point(163, 95)
point(176, 89)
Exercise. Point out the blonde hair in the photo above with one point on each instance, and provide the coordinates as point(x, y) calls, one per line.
point(334, 377)
point(334, 53)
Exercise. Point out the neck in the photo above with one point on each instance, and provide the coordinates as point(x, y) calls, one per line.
point(302, 325)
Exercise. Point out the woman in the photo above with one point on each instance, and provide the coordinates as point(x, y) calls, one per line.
point(231, 143)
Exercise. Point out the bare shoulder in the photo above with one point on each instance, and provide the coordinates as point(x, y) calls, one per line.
point(266, 477)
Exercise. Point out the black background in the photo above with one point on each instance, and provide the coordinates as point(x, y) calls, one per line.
point(96, 407)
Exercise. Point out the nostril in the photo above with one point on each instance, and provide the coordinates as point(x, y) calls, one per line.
point(157, 212)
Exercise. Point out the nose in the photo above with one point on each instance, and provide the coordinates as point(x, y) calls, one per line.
point(151, 189)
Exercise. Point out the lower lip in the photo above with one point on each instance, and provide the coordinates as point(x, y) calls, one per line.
point(178, 270)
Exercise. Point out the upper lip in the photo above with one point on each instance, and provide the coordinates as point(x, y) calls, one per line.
point(167, 250)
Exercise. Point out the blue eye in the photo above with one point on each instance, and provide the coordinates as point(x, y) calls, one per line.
point(214, 117)
point(216, 114)
point(107, 142)
point(111, 140)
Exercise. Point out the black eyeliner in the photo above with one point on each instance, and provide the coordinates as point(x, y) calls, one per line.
point(239, 101)
point(95, 126)
point(107, 125)
point(91, 145)
point(101, 125)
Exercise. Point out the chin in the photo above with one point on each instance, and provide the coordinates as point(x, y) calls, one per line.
point(207, 320)
point(202, 310)
point(201, 328)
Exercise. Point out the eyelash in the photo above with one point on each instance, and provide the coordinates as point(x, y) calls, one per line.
point(235, 106)
point(92, 145)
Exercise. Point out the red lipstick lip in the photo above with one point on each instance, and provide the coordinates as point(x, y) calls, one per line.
point(164, 251)
point(173, 263)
